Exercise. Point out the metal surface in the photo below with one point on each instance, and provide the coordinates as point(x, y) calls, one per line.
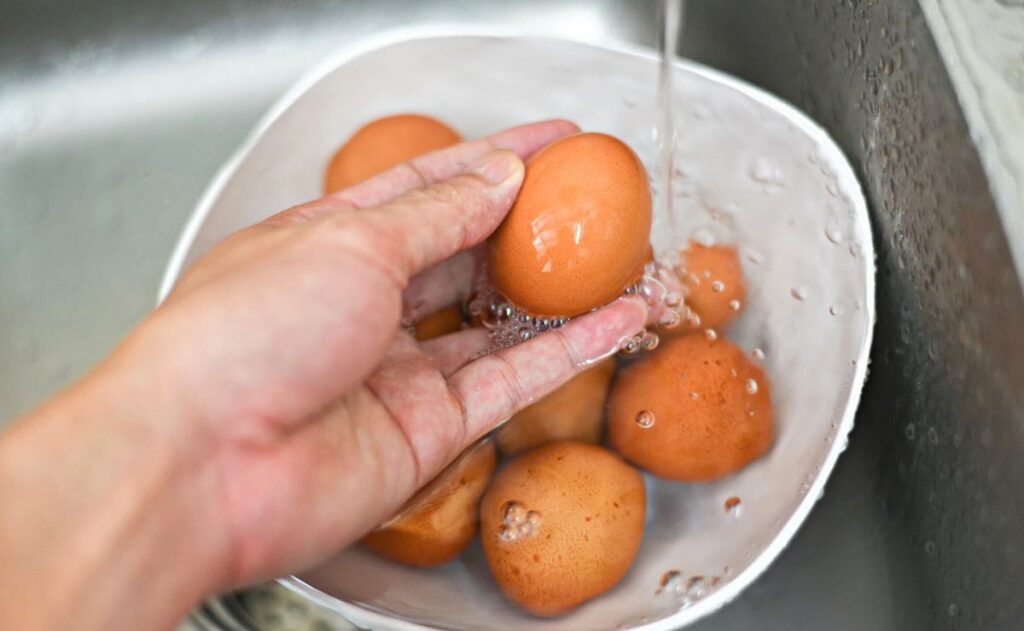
point(113, 115)
point(778, 188)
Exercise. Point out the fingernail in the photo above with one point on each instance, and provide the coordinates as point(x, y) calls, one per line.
point(500, 167)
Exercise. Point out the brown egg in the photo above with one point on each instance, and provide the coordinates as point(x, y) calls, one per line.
point(443, 322)
point(440, 521)
point(693, 410)
point(385, 143)
point(579, 232)
point(573, 412)
point(562, 524)
point(712, 284)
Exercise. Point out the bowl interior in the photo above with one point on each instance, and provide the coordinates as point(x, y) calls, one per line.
point(751, 171)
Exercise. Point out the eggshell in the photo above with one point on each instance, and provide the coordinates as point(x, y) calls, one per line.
point(562, 524)
point(573, 412)
point(579, 232)
point(440, 521)
point(713, 285)
point(442, 322)
point(706, 410)
point(383, 144)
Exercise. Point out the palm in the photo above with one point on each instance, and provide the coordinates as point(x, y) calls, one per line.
point(330, 438)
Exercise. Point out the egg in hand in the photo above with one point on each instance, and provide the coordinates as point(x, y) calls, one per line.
point(579, 232)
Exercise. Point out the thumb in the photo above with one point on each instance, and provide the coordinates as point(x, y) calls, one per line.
point(433, 223)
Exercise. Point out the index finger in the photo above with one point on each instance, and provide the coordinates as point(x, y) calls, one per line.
point(430, 168)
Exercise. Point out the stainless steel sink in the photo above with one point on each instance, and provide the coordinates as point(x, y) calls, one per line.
point(114, 115)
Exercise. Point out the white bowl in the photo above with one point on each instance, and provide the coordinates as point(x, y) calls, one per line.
point(755, 171)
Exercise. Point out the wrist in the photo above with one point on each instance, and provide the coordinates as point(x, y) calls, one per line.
point(109, 527)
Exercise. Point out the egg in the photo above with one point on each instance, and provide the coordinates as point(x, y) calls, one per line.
point(383, 144)
point(562, 524)
point(713, 286)
point(694, 410)
point(440, 521)
point(578, 234)
point(441, 322)
point(575, 411)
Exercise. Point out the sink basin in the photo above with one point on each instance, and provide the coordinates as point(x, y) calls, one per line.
point(114, 116)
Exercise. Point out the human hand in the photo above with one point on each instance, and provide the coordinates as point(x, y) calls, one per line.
point(285, 409)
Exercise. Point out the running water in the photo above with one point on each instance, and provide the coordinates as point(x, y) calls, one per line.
point(664, 127)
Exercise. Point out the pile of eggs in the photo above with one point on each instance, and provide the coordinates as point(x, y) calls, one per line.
point(560, 512)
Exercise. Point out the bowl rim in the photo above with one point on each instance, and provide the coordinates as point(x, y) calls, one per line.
point(364, 615)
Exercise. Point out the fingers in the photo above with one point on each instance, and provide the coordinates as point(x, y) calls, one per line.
point(427, 225)
point(453, 351)
point(493, 388)
point(447, 283)
point(430, 168)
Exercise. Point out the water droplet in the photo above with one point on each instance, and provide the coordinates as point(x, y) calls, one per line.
point(630, 345)
point(757, 354)
point(696, 588)
point(798, 293)
point(910, 431)
point(954, 609)
point(649, 341)
point(710, 334)
point(835, 310)
point(645, 419)
point(695, 395)
point(629, 101)
point(933, 436)
point(751, 386)
point(718, 286)
point(930, 549)
point(834, 234)
point(766, 173)
point(703, 236)
point(733, 507)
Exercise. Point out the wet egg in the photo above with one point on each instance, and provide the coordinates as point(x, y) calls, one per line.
point(440, 521)
point(383, 144)
point(562, 524)
point(713, 284)
point(573, 412)
point(579, 232)
point(711, 404)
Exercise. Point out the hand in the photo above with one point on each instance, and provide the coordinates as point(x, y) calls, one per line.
point(273, 409)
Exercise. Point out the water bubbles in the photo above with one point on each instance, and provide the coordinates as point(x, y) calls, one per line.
point(751, 386)
point(517, 522)
point(733, 507)
point(649, 341)
point(798, 293)
point(695, 395)
point(910, 431)
point(710, 334)
point(734, 304)
point(954, 609)
point(630, 345)
point(718, 286)
point(930, 549)
point(670, 320)
point(673, 299)
point(696, 588)
point(645, 419)
point(834, 233)
point(835, 310)
point(933, 436)
point(757, 354)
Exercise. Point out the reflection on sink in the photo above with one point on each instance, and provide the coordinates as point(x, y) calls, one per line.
point(113, 117)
